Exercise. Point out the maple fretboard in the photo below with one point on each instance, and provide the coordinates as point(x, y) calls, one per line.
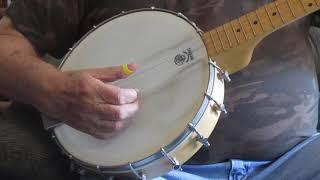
point(251, 28)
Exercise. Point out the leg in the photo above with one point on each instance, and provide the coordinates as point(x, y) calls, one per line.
point(26, 150)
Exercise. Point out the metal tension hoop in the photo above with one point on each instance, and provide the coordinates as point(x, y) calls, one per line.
point(200, 138)
point(138, 175)
point(172, 160)
point(222, 73)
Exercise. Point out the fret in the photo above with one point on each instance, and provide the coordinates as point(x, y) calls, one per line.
point(260, 20)
point(280, 12)
point(273, 15)
point(255, 22)
point(285, 10)
point(254, 32)
point(208, 41)
point(238, 31)
point(243, 31)
point(297, 7)
point(217, 41)
point(231, 34)
point(309, 5)
point(290, 7)
point(247, 30)
point(264, 19)
point(223, 38)
point(235, 32)
point(214, 42)
point(225, 31)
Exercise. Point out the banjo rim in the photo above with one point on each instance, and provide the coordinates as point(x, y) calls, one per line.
point(131, 167)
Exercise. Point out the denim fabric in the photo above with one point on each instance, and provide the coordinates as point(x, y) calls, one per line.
point(233, 169)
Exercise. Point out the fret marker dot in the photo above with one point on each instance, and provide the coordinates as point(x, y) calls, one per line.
point(310, 4)
point(255, 22)
point(238, 30)
point(274, 14)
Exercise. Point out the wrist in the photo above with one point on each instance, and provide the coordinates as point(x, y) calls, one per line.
point(49, 86)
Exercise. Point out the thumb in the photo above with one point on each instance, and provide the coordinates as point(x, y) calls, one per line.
point(109, 74)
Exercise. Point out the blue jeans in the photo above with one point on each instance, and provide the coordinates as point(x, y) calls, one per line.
point(233, 169)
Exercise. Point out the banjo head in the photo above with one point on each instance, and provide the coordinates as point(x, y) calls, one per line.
point(173, 77)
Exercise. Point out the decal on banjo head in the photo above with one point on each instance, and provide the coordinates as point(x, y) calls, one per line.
point(184, 57)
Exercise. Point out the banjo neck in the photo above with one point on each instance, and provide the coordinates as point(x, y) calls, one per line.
point(231, 45)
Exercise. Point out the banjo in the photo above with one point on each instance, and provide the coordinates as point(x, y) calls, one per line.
point(181, 76)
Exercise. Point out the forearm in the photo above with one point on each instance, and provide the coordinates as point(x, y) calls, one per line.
point(23, 75)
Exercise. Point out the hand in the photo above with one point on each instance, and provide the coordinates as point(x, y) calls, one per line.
point(86, 101)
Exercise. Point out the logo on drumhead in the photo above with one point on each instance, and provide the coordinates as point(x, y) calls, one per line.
point(185, 57)
point(180, 59)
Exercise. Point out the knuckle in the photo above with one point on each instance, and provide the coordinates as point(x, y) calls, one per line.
point(115, 114)
point(117, 126)
point(83, 89)
point(118, 95)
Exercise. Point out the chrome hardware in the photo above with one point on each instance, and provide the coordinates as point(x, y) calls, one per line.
point(182, 15)
point(70, 49)
point(81, 171)
point(94, 27)
point(172, 160)
point(53, 137)
point(142, 176)
point(199, 138)
point(99, 169)
point(197, 28)
point(219, 107)
point(123, 12)
point(153, 8)
point(222, 73)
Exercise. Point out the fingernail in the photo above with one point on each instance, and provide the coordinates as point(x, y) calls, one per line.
point(127, 69)
point(132, 66)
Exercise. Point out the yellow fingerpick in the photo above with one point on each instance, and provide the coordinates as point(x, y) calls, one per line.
point(126, 70)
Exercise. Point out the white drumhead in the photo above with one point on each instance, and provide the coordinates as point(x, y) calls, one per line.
point(171, 94)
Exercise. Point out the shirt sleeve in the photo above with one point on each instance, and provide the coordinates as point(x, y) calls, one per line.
point(50, 25)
